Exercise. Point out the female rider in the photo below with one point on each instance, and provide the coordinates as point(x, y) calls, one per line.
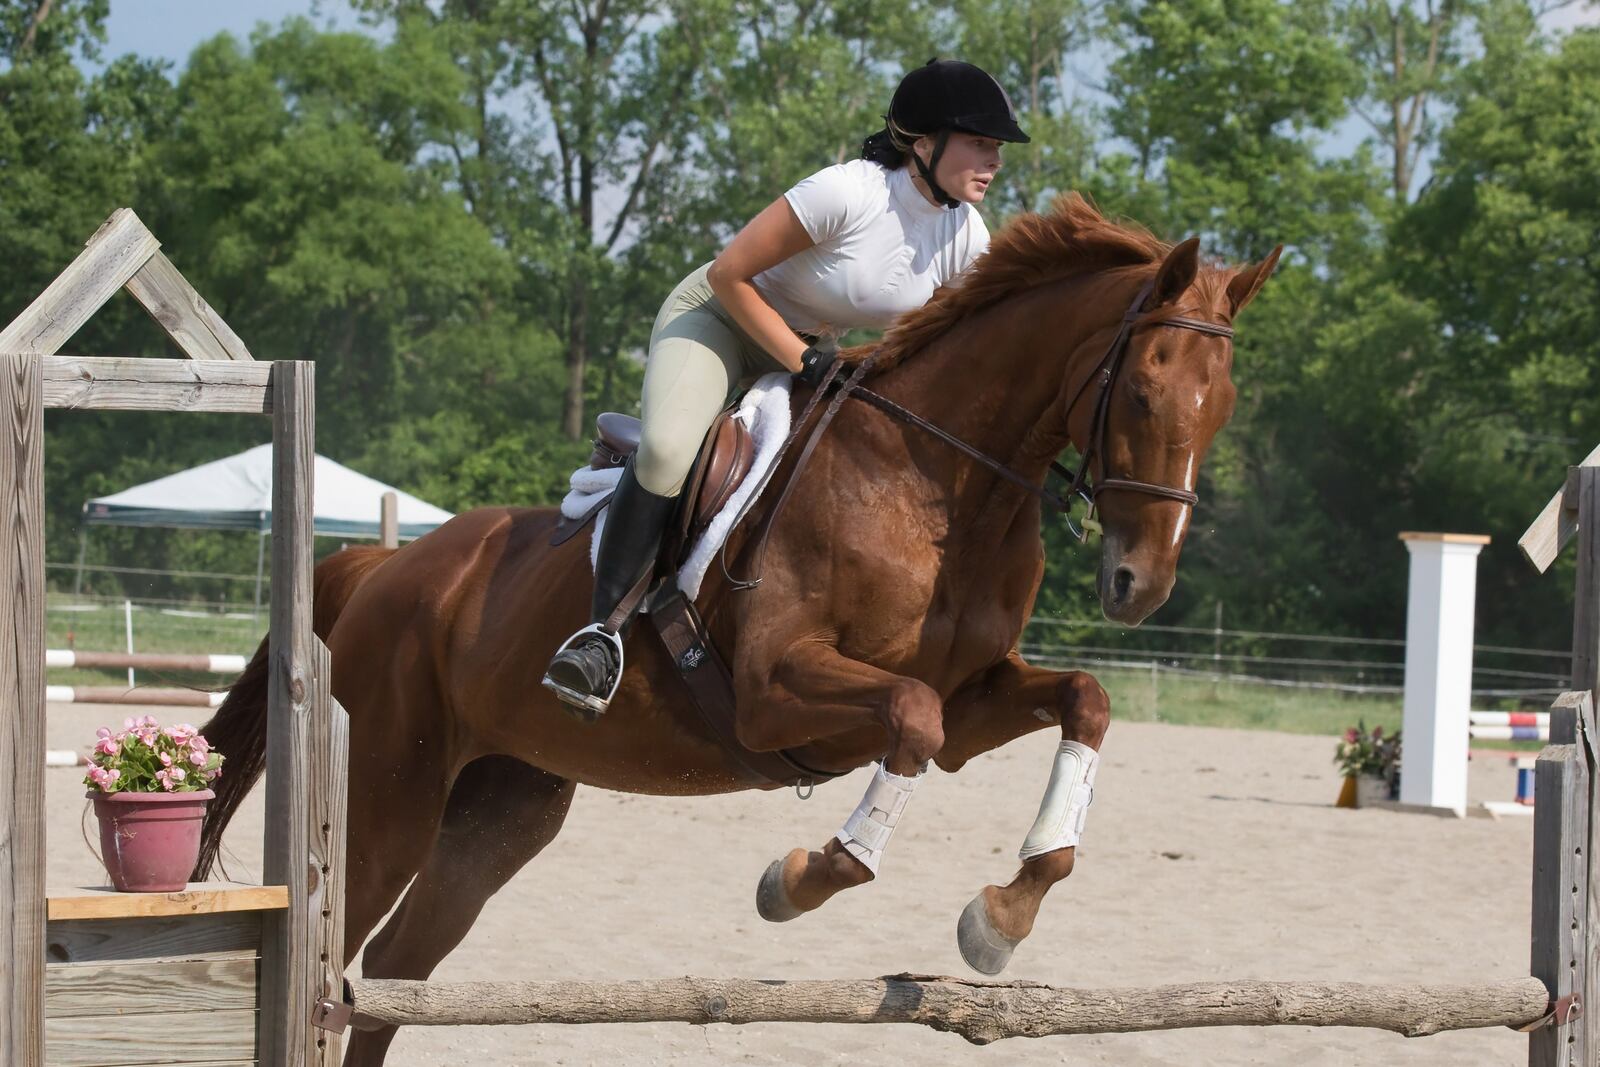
point(854, 245)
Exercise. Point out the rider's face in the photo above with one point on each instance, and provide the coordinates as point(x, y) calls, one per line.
point(967, 167)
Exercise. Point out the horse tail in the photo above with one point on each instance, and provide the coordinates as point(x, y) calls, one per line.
point(239, 728)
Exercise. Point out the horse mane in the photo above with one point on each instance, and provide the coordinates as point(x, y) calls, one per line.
point(1073, 238)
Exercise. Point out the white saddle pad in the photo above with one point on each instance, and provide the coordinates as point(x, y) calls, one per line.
point(765, 413)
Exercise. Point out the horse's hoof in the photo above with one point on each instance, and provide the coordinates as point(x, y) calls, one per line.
point(985, 949)
point(772, 900)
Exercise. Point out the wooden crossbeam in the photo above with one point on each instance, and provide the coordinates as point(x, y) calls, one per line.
point(133, 384)
point(113, 255)
point(981, 1012)
point(1548, 534)
point(184, 313)
point(123, 253)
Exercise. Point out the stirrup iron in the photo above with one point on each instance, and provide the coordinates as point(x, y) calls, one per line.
point(590, 706)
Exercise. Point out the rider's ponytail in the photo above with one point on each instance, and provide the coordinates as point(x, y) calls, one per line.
point(890, 147)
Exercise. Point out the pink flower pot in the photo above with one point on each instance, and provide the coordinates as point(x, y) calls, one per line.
point(149, 841)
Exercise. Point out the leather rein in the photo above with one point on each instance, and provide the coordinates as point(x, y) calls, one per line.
point(1080, 484)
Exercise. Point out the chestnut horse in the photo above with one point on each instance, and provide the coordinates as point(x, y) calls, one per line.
point(897, 582)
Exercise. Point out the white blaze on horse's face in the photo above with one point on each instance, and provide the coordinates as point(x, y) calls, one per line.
point(1172, 396)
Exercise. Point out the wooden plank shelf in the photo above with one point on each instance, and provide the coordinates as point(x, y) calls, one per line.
point(197, 898)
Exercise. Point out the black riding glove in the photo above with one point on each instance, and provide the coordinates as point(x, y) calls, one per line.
point(814, 363)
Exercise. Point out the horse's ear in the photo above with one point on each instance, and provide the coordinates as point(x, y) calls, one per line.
point(1248, 282)
point(1176, 273)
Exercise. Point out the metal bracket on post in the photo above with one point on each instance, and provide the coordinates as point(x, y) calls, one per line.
point(1568, 1007)
point(330, 1015)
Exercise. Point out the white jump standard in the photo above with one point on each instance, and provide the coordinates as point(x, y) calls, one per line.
point(1438, 681)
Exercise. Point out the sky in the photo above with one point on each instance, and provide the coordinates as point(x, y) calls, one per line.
point(170, 29)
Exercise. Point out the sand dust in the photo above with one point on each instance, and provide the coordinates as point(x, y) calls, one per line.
point(1209, 855)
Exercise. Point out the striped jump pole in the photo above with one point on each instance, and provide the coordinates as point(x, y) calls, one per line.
point(116, 694)
point(1509, 725)
point(152, 661)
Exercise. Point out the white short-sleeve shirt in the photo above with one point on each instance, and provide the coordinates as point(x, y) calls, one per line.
point(881, 250)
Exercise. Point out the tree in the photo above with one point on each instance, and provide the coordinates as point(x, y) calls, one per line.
point(1407, 51)
point(571, 102)
point(1221, 102)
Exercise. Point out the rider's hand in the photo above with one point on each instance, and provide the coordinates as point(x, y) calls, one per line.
point(814, 363)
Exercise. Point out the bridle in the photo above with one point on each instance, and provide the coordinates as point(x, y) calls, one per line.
point(1080, 485)
point(1107, 369)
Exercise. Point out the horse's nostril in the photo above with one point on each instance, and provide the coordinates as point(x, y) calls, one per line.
point(1121, 583)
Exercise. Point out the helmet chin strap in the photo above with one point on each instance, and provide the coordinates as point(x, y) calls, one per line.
point(926, 170)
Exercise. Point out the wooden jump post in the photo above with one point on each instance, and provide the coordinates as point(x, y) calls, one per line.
point(89, 976)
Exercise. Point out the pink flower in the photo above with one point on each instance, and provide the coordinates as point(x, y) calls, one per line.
point(166, 760)
point(180, 734)
point(179, 774)
point(1351, 736)
point(199, 744)
point(1377, 733)
point(103, 732)
point(107, 746)
point(129, 724)
point(103, 778)
point(197, 758)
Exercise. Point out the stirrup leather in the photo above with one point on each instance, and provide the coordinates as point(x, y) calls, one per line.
point(592, 703)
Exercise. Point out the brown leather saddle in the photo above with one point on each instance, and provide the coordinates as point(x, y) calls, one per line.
point(725, 459)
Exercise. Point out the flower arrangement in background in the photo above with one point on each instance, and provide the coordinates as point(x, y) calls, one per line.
point(1364, 752)
point(147, 757)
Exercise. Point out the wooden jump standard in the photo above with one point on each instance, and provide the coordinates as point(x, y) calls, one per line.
point(89, 977)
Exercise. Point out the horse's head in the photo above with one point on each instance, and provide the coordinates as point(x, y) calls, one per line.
point(1147, 429)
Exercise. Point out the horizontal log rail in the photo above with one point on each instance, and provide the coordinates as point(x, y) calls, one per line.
point(981, 1012)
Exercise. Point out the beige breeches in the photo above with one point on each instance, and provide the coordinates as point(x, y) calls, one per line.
point(699, 358)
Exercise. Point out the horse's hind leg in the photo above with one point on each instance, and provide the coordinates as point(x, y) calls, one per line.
point(500, 814)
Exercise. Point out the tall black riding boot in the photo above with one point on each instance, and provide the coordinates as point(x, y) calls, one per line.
point(585, 672)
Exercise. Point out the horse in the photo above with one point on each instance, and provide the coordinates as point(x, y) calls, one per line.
point(896, 584)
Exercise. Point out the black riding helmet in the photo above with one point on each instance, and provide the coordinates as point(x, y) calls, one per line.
point(937, 97)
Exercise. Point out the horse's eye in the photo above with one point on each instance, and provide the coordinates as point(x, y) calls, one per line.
point(1141, 398)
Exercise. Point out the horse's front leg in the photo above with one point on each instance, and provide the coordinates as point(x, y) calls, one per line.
point(817, 692)
point(1010, 700)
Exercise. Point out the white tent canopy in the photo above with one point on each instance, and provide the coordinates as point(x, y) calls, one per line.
point(236, 494)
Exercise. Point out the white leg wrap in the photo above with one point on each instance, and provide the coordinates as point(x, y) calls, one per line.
point(866, 832)
point(1066, 801)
